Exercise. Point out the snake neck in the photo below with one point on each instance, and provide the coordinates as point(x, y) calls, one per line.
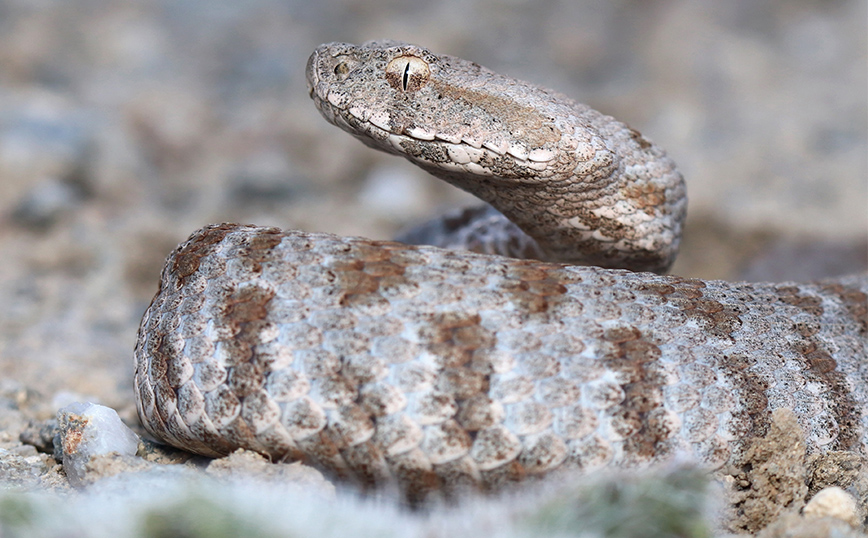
point(618, 204)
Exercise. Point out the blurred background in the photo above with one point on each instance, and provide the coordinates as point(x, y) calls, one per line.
point(125, 125)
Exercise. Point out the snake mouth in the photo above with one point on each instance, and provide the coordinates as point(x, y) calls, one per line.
point(333, 104)
point(441, 152)
point(310, 73)
point(437, 154)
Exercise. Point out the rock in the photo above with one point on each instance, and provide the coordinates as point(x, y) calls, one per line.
point(40, 434)
point(87, 431)
point(24, 471)
point(770, 478)
point(833, 468)
point(244, 464)
point(167, 455)
point(833, 502)
point(46, 201)
point(793, 525)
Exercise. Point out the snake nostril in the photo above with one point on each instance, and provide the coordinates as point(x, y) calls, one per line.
point(341, 71)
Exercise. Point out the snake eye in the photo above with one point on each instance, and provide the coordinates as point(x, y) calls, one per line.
point(407, 73)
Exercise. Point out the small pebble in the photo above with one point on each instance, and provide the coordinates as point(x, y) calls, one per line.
point(46, 201)
point(833, 502)
point(246, 465)
point(40, 435)
point(88, 430)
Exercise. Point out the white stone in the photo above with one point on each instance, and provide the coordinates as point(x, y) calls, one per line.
point(88, 430)
point(833, 502)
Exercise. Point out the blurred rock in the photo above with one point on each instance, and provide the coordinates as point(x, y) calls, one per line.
point(247, 465)
point(833, 502)
point(87, 433)
point(25, 471)
point(40, 435)
point(49, 198)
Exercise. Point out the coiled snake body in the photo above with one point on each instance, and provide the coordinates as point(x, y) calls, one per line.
point(442, 369)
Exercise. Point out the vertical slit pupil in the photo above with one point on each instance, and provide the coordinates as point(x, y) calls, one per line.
point(406, 80)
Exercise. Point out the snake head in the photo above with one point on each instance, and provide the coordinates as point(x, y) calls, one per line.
point(448, 115)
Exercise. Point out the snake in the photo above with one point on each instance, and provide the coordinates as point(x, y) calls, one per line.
point(550, 341)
